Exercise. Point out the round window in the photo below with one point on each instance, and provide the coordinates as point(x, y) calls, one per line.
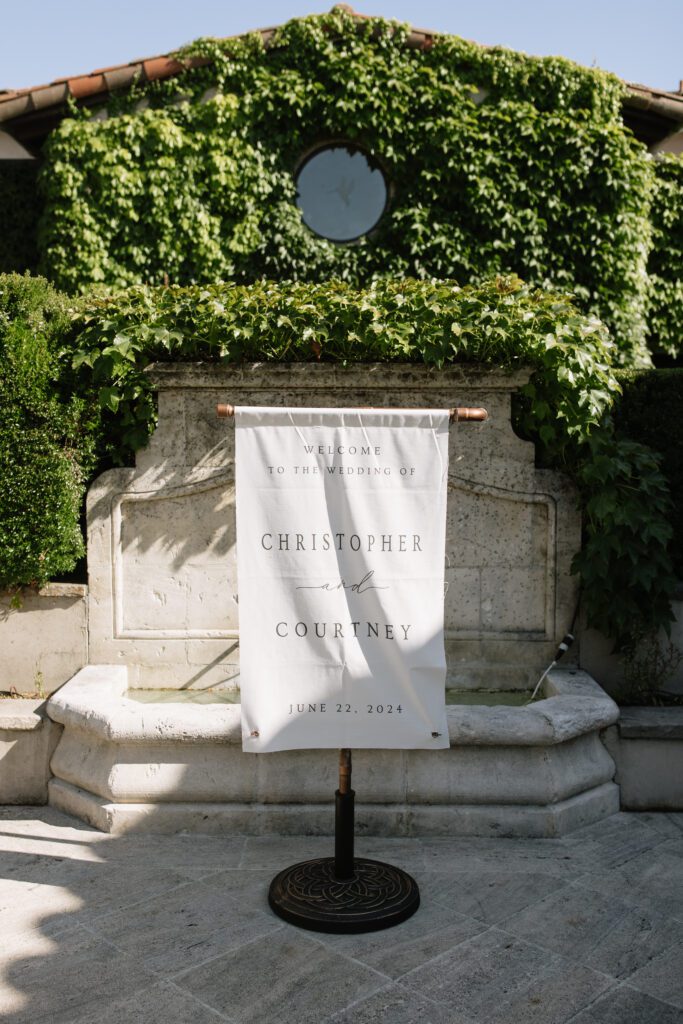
point(341, 195)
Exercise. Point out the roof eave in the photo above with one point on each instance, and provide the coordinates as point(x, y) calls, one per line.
point(30, 111)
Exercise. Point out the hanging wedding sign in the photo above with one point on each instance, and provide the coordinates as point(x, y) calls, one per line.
point(341, 518)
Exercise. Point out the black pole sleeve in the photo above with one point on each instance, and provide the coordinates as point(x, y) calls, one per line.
point(343, 834)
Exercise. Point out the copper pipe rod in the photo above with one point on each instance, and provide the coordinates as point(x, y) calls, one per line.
point(460, 414)
point(344, 770)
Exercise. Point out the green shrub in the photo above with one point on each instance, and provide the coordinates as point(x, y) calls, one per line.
point(20, 207)
point(626, 573)
point(650, 411)
point(500, 322)
point(539, 179)
point(44, 445)
point(73, 389)
point(625, 568)
point(665, 265)
point(40, 535)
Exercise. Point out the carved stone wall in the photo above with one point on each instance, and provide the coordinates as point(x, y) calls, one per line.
point(161, 537)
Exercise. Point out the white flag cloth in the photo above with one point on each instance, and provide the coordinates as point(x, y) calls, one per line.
point(341, 518)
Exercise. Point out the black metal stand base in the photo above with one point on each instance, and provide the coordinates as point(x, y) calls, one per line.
point(375, 896)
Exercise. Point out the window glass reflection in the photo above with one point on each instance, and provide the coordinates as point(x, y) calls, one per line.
point(340, 195)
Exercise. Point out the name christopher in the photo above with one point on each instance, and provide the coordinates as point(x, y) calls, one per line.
point(372, 542)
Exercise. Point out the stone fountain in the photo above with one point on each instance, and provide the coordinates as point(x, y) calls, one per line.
point(163, 617)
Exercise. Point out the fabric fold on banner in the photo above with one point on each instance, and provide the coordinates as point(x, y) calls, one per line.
point(341, 522)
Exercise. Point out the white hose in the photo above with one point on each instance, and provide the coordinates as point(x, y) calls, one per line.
point(538, 684)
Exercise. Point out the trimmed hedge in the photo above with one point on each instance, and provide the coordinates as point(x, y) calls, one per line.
point(498, 163)
point(46, 444)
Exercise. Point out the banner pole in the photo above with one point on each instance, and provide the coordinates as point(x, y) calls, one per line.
point(458, 414)
point(344, 894)
point(344, 820)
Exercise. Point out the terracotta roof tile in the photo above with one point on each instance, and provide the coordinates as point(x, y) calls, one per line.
point(87, 85)
point(115, 67)
point(119, 78)
point(16, 102)
point(161, 67)
point(14, 105)
point(49, 96)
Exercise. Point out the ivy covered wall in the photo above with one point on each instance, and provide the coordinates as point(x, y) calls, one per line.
point(498, 162)
point(665, 266)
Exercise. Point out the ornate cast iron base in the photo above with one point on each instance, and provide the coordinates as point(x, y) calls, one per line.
point(311, 896)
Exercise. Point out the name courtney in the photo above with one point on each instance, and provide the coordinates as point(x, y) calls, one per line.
point(343, 630)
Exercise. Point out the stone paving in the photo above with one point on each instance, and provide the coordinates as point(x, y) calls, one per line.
point(176, 930)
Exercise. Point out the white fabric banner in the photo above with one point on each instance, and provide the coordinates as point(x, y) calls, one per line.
point(341, 518)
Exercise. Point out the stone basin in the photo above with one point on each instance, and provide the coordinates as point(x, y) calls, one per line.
point(537, 770)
